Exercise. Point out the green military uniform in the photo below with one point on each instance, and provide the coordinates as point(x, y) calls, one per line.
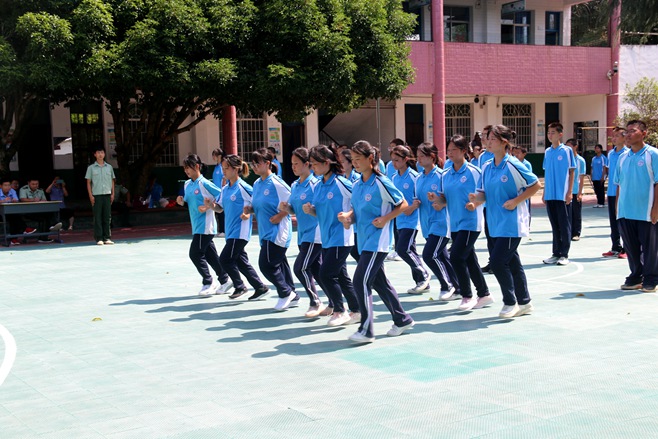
point(102, 183)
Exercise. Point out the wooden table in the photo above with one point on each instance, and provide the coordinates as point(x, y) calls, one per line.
point(22, 208)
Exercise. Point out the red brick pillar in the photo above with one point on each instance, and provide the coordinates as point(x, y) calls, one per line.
point(230, 130)
point(439, 93)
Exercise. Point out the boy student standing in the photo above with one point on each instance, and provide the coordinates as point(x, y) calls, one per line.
point(577, 191)
point(637, 208)
point(100, 186)
point(599, 172)
point(559, 165)
point(618, 139)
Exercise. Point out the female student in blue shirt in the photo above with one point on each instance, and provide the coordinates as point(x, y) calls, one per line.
point(219, 180)
point(274, 229)
point(434, 224)
point(204, 226)
point(236, 194)
point(466, 222)
point(332, 196)
point(309, 259)
point(375, 203)
point(505, 186)
point(404, 179)
point(345, 159)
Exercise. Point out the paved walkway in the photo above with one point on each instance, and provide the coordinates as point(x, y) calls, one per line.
point(112, 342)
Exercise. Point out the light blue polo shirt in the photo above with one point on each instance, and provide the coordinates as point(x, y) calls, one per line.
point(11, 195)
point(501, 183)
point(598, 163)
point(636, 175)
point(203, 223)
point(382, 166)
point(581, 169)
point(406, 184)
point(613, 158)
point(372, 199)
point(329, 199)
point(527, 164)
point(557, 162)
point(390, 170)
point(279, 168)
point(484, 158)
point(218, 175)
point(266, 197)
point(233, 199)
point(354, 176)
point(456, 187)
point(301, 193)
point(432, 222)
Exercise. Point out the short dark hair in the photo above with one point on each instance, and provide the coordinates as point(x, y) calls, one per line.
point(218, 152)
point(397, 141)
point(598, 145)
point(5, 180)
point(639, 123)
point(557, 125)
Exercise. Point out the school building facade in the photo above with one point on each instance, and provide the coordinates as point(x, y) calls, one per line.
point(477, 62)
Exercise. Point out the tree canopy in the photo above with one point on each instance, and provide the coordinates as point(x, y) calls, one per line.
point(643, 96)
point(180, 61)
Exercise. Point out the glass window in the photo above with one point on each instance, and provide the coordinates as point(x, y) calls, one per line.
point(456, 23)
point(515, 28)
point(553, 28)
point(458, 120)
point(423, 28)
point(518, 117)
point(168, 158)
point(251, 133)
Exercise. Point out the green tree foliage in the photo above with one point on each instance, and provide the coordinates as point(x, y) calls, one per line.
point(35, 58)
point(643, 96)
point(589, 22)
point(166, 65)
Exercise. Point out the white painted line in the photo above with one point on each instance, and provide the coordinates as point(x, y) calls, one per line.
point(10, 353)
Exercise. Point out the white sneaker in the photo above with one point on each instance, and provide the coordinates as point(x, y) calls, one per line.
point(208, 290)
point(108, 242)
point(314, 311)
point(563, 261)
point(551, 260)
point(393, 256)
point(468, 303)
point(357, 337)
point(398, 330)
point(284, 302)
point(421, 287)
point(447, 294)
point(483, 301)
point(100, 243)
point(56, 227)
point(355, 317)
point(508, 311)
point(338, 319)
point(225, 287)
point(524, 309)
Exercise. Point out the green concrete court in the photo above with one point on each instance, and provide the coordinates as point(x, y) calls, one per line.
point(112, 342)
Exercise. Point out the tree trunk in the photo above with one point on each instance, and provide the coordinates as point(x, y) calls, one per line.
point(15, 118)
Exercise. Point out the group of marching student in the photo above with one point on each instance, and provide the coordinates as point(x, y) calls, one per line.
point(345, 205)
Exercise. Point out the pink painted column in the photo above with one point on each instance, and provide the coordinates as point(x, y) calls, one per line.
point(614, 39)
point(439, 92)
point(230, 130)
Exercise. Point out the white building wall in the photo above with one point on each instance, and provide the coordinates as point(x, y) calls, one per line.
point(635, 63)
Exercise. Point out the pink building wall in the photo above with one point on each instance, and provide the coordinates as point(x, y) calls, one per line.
point(502, 69)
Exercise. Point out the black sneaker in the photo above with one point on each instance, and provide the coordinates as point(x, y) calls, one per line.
point(239, 292)
point(487, 269)
point(260, 293)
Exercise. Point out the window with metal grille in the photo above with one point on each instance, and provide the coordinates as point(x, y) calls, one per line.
point(458, 121)
point(168, 158)
point(518, 117)
point(251, 134)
